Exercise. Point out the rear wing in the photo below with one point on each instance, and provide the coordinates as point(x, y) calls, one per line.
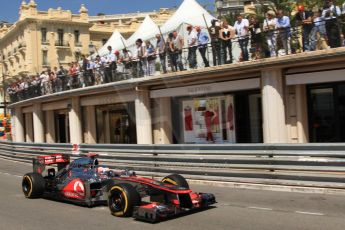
point(60, 160)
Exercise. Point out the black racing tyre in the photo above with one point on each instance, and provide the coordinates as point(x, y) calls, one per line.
point(33, 185)
point(122, 198)
point(176, 179)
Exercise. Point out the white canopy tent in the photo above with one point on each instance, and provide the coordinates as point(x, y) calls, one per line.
point(190, 12)
point(116, 41)
point(146, 31)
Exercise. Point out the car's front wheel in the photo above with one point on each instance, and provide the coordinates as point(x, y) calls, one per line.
point(176, 179)
point(122, 199)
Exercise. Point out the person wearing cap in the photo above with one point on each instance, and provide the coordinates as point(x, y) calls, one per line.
point(269, 27)
point(161, 51)
point(213, 30)
point(304, 18)
point(242, 31)
point(203, 40)
point(192, 46)
point(284, 31)
point(330, 14)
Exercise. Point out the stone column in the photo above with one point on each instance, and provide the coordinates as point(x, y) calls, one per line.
point(302, 114)
point(91, 131)
point(18, 125)
point(50, 124)
point(75, 124)
point(38, 121)
point(29, 137)
point(143, 117)
point(273, 107)
point(163, 118)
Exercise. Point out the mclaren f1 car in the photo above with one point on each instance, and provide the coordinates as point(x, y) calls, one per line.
point(85, 182)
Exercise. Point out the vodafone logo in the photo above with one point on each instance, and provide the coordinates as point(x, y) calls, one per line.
point(79, 188)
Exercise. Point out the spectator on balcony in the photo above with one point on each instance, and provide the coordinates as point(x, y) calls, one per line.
point(90, 72)
point(150, 55)
point(256, 37)
point(169, 43)
point(161, 51)
point(56, 84)
point(203, 40)
point(97, 70)
point(270, 26)
point(304, 18)
point(73, 76)
point(110, 66)
point(226, 34)
point(23, 88)
point(192, 47)
point(120, 65)
point(318, 33)
point(178, 49)
point(213, 30)
point(52, 78)
point(138, 59)
point(241, 26)
point(44, 79)
point(284, 31)
point(127, 60)
point(35, 84)
point(62, 75)
point(330, 14)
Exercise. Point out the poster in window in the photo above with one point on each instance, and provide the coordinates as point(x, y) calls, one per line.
point(209, 120)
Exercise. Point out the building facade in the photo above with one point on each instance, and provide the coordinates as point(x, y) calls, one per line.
point(48, 39)
point(290, 99)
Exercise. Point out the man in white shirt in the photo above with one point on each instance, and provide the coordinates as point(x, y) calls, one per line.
point(270, 26)
point(44, 78)
point(241, 27)
point(110, 68)
point(330, 14)
point(192, 46)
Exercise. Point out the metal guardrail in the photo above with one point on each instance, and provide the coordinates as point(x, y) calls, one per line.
point(307, 165)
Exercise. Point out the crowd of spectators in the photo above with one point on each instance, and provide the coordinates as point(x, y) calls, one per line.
point(273, 36)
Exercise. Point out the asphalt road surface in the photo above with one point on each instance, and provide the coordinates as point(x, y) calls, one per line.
point(236, 209)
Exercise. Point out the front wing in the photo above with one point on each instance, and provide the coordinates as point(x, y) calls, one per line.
point(155, 212)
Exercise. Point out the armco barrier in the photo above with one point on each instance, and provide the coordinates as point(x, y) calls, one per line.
point(307, 165)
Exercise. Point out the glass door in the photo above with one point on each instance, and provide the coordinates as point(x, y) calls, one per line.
point(322, 115)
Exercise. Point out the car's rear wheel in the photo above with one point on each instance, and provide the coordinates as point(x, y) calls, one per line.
point(176, 179)
point(33, 185)
point(122, 199)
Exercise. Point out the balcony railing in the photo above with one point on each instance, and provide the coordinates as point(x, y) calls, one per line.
point(44, 42)
point(181, 60)
point(78, 44)
point(22, 45)
point(45, 64)
point(61, 44)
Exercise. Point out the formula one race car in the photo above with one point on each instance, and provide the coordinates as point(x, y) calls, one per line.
point(85, 182)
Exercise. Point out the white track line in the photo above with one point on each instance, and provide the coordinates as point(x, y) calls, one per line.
point(260, 208)
point(310, 213)
point(10, 174)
